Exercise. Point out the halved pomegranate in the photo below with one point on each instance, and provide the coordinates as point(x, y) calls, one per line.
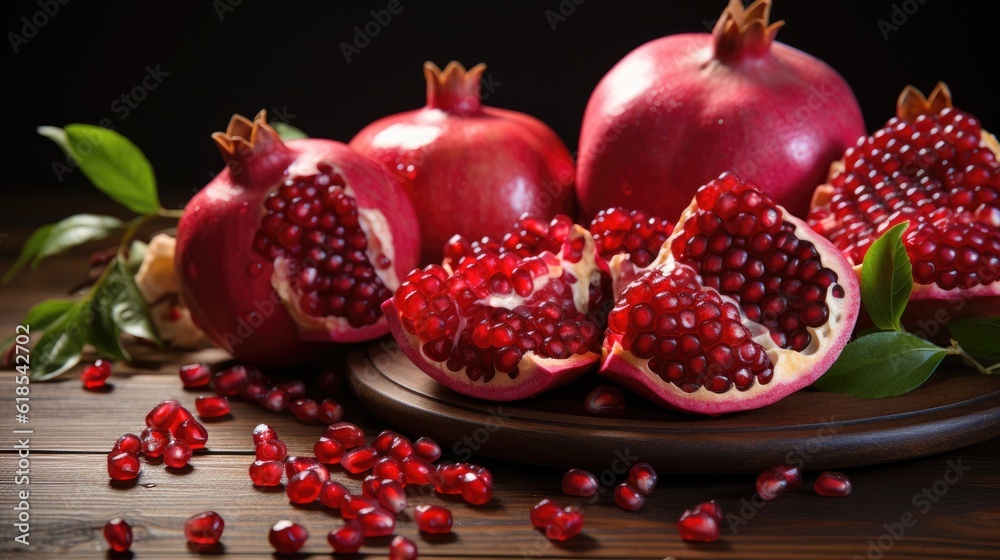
point(744, 305)
point(934, 166)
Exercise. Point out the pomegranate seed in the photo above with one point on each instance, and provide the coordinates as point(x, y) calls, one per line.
point(330, 412)
point(564, 524)
point(401, 448)
point(176, 454)
point(383, 441)
point(391, 496)
point(833, 484)
point(229, 382)
point(304, 487)
point(306, 410)
point(118, 534)
point(543, 512)
point(287, 537)
point(370, 484)
point(376, 522)
point(350, 505)
point(129, 443)
point(295, 464)
point(417, 471)
point(192, 432)
point(628, 498)
point(263, 432)
point(162, 415)
point(328, 450)
point(275, 400)
point(346, 433)
point(792, 476)
point(254, 390)
point(123, 466)
point(328, 381)
point(347, 539)
point(700, 524)
point(153, 442)
point(431, 519)
point(296, 389)
point(332, 494)
point(446, 478)
point(196, 375)
point(475, 489)
point(402, 548)
point(94, 375)
point(266, 473)
point(605, 400)
point(427, 449)
point(204, 528)
point(359, 459)
point(642, 477)
point(212, 406)
point(771, 484)
point(577, 482)
point(271, 450)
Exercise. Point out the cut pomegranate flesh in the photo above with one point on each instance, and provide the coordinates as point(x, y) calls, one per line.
point(578, 482)
point(635, 232)
point(204, 528)
point(287, 537)
point(833, 484)
point(118, 533)
point(432, 519)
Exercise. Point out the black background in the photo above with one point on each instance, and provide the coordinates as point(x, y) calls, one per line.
point(223, 59)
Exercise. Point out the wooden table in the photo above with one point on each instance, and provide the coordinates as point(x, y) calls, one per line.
point(944, 506)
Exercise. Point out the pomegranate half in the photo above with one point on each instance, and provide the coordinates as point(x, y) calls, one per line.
point(744, 305)
point(294, 245)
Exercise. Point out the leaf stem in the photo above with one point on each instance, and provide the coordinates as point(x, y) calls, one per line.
point(956, 350)
point(164, 213)
point(130, 231)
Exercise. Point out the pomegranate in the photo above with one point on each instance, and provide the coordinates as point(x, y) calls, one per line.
point(934, 166)
point(744, 305)
point(293, 245)
point(679, 110)
point(469, 169)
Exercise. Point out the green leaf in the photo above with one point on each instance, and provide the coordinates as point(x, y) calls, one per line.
point(136, 253)
point(47, 312)
point(115, 166)
point(979, 337)
point(288, 132)
point(59, 348)
point(883, 364)
point(886, 279)
point(30, 250)
point(104, 334)
point(76, 230)
point(124, 303)
point(57, 135)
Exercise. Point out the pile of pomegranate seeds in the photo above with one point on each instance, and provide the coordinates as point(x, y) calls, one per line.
point(95, 375)
point(171, 433)
point(118, 533)
point(559, 522)
point(204, 528)
point(287, 537)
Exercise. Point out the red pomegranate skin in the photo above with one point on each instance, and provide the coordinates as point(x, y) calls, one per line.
point(680, 110)
point(469, 169)
point(230, 295)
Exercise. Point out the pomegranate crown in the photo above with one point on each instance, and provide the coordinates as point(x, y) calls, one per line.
point(243, 138)
point(742, 32)
point(453, 89)
point(912, 103)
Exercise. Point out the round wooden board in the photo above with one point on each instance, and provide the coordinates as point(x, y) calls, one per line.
point(812, 429)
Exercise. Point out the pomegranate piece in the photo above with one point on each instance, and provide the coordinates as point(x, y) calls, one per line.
point(642, 477)
point(271, 450)
point(330, 412)
point(212, 406)
point(700, 524)
point(564, 524)
point(153, 442)
point(331, 234)
point(427, 449)
point(95, 375)
point(346, 433)
point(435, 520)
point(605, 400)
point(177, 454)
point(263, 432)
point(577, 482)
point(304, 487)
point(275, 400)
point(391, 495)
point(204, 528)
point(192, 432)
point(402, 548)
point(287, 537)
point(266, 473)
point(628, 497)
point(230, 381)
point(196, 375)
point(543, 511)
point(129, 443)
point(376, 522)
point(295, 464)
point(635, 233)
point(771, 484)
point(359, 459)
point(350, 505)
point(118, 533)
point(347, 539)
point(688, 332)
point(123, 466)
point(417, 471)
point(834, 484)
point(332, 494)
point(329, 451)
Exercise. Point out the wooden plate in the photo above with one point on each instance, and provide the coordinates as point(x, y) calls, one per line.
point(812, 429)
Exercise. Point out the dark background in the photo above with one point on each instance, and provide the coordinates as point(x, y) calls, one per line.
point(223, 59)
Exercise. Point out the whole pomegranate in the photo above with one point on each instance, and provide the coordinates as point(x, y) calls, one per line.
point(934, 166)
point(680, 110)
point(294, 245)
point(744, 305)
point(469, 169)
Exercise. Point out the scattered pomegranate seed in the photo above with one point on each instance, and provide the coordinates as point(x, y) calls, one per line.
point(834, 484)
point(475, 489)
point(328, 381)
point(162, 415)
point(346, 433)
point(402, 548)
point(383, 440)
point(275, 400)
point(95, 375)
point(332, 494)
point(543, 512)
point(204, 528)
point(192, 432)
point(431, 519)
point(605, 400)
point(295, 388)
point(118, 534)
point(177, 454)
point(254, 390)
point(330, 412)
point(376, 522)
point(359, 459)
point(123, 466)
point(306, 410)
point(329, 451)
point(295, 464)
point(427, 449)
point(401, 448)
point(153, 442)
point(229, 382)
point(701, 524)
point(577, 482)
point(370, 484)
point(263, 432)
point(266, 473)
point(212, 406)
point(347, 539)
point(417, 471)
point(196, 375)
point(445, 477)
point(771, 484)
point(129, 443)
point(792, 476)
point(304, 487)
point(350, 505)
point(628, 498)
point(287, 537)
point(564, 524)
point(391, 495)
point(642, 477)
point(271, 450)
